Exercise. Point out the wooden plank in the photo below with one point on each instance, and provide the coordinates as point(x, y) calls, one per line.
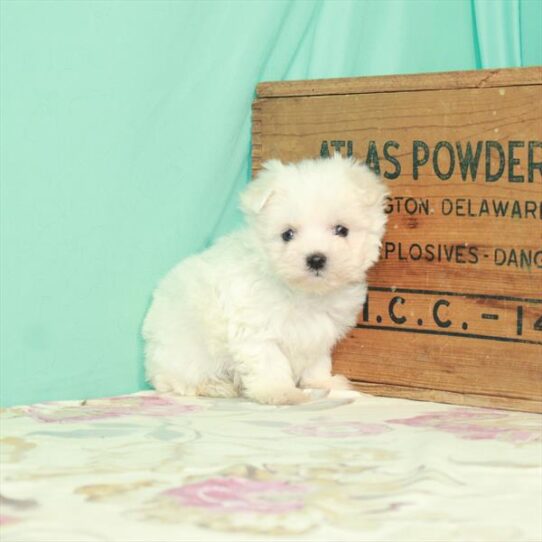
point(456, 303)
point(402, 83)
point(439, 396)
point(295, 128)
point(443, 362)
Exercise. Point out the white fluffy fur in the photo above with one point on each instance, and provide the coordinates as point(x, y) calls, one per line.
point(247, 316)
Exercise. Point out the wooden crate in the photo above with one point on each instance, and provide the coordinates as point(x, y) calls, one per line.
point(454, 312)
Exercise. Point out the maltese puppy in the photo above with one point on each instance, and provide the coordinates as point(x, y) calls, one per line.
point(258, 313)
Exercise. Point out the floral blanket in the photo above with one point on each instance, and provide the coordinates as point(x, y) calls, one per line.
point(149, 467)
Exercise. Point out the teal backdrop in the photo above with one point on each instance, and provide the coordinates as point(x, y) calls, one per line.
point(125, 137)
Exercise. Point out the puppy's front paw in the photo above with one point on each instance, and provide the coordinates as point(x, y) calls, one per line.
point(335, 382)
point(278, 396)
point(340, 382)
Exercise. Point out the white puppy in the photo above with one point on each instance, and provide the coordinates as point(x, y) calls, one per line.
point(259, 312)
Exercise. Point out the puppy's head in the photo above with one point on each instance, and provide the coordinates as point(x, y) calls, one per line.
point(320, 222)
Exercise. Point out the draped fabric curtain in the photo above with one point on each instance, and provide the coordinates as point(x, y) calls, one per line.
point(125, 138)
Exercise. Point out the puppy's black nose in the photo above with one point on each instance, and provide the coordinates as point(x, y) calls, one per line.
point(316, 261)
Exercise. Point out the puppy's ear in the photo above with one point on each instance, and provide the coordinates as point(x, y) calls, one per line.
point(258, 191)
point(371, 194)
point(371, 187)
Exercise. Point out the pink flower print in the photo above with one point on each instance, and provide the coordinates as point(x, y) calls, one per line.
point(152, 405)
point(6, 520)
point(235, 494)
point(473, 424)
point(325, 429)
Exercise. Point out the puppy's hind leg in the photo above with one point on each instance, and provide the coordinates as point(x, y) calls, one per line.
point(176, 366)
point(210, 387)
point(191, 374)
point(214, 387)
point(167, 383)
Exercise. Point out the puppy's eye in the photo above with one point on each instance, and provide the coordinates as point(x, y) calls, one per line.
point(288, 235)
point(341, 231)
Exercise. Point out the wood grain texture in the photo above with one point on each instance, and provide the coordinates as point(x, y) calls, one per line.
point(447, 363)
point(456, 298)
point(402, 83)
point(439, 396)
